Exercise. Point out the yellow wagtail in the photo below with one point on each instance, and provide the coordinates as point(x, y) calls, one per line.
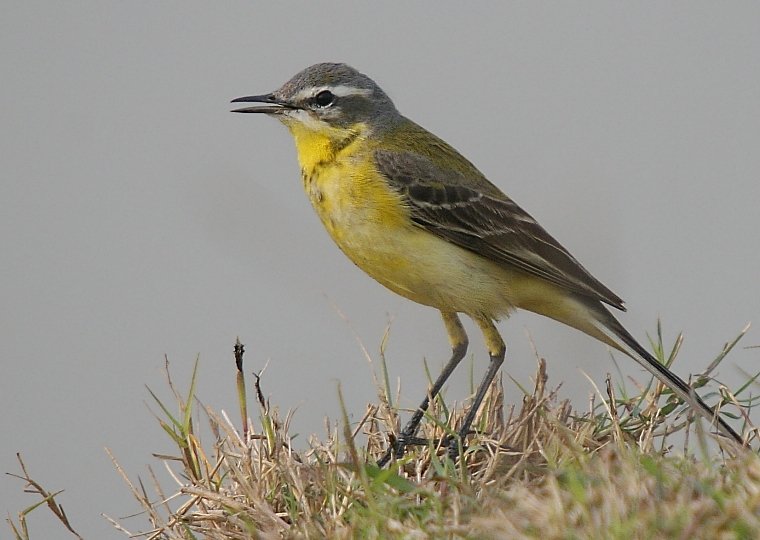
point(419, 218)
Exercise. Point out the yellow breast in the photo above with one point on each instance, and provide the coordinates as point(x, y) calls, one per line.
point(360, 211)
point(368, 220)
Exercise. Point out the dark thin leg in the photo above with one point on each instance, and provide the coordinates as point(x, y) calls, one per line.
point(459, 342)
point(493, 369)
point(497, 350)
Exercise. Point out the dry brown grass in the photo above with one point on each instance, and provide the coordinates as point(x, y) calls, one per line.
point(536, 470)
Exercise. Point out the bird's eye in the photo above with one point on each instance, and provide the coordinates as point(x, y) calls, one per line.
point(324, 98)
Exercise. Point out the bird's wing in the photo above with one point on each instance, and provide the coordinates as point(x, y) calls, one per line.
point(474, 214)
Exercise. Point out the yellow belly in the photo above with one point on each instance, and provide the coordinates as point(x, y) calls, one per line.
point(369, 223)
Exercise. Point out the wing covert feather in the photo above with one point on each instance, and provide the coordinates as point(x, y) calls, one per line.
point(474, 214)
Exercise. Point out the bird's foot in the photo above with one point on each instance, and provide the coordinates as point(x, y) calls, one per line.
point(397, 448)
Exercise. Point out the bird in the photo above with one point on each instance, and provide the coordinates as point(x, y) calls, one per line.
point(418, 217)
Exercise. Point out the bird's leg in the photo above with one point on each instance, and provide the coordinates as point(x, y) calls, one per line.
point(459, 342)
point(496, 350)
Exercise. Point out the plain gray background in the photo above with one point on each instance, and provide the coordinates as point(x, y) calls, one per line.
point(139, 218)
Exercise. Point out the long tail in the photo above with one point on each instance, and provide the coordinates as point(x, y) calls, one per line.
point(619, 337)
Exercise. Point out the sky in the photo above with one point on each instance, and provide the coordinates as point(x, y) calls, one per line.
point(141, 221)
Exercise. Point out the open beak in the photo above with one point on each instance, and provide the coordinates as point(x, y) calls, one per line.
point(273, 105)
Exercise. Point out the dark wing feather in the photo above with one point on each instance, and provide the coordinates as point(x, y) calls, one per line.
point(479, 217)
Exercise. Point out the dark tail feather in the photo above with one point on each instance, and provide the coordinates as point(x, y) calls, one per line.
point(619, 336)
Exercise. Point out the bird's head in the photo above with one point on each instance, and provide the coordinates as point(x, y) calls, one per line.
point(326, 97)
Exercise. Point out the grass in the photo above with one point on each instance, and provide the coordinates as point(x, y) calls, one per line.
point(540, 469)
